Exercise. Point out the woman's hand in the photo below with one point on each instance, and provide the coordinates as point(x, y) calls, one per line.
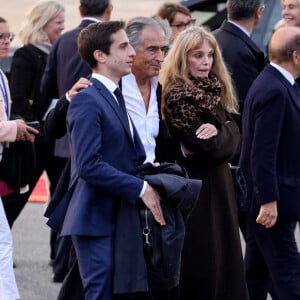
point(206, 131)
point(25, 132)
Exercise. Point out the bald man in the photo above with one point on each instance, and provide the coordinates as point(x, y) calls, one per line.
point(271, 162)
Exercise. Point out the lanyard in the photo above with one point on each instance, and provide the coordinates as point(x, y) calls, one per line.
point(4, 93)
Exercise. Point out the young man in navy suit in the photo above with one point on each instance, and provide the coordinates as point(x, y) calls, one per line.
point(105, 153)
point(271, 164)
point(64, 68)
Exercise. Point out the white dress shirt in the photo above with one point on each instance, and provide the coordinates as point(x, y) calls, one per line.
point(146, 122)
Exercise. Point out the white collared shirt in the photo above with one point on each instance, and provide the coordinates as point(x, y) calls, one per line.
point(286, 74)
point(91, 19)
point(146, 123)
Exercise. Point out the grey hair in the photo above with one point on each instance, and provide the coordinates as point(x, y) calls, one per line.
point(137, 24)
point(242, 9)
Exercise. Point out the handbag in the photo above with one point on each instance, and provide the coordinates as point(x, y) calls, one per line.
point(240, 188)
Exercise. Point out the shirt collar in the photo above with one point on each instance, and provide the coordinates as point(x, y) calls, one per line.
point(240, 27)
point(287, 75)
point(109, 84)
point(153, 80)
point(91, 19)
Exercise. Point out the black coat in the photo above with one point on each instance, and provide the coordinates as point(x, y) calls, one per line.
point(28, 64)
point(135, 268)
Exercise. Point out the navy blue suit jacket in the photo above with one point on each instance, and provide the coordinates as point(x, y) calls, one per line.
point(104, 159)
point(243, 58)
point(270, 148)
point(64, 66)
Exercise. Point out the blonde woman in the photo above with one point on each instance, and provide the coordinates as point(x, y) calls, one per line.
point(197, 103)
point(43, 25)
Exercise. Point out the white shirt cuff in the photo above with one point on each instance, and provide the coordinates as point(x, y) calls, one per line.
point(143, 189)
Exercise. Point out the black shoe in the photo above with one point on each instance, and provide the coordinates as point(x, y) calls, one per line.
point(51, 260)
point(56, 278)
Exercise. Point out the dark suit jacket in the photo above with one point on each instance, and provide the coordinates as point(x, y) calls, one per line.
point(103, 156)
point(64, 66)
point(55, 127)
point(270, 148)
point(243, 58)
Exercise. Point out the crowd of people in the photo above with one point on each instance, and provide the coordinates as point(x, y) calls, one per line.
point(137, 125)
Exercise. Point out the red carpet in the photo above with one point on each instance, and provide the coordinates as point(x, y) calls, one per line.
point(40, 193)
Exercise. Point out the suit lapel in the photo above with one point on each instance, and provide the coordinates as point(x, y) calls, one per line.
point(109, 98)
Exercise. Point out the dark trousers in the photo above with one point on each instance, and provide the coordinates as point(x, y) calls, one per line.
point(61, 261)
point(272, 260)
point(95, 260)
point(72, 287)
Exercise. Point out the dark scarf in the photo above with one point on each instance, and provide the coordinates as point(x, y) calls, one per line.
point(185, 104)
point(206, 92)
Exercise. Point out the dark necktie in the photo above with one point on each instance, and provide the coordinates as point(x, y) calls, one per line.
point(121, 101)
point(297, 89)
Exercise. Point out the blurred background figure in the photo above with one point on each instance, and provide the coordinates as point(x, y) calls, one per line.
point(10, 131)
point(43, 25)
point(178, 16)
point(291, 12)
point(242, 56)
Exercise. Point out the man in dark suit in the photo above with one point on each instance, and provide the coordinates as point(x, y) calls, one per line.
point(242, 56)
point(64, 68)
point(105, 153)
point(271, 164)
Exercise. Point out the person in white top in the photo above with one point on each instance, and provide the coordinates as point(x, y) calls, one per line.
point(149, 38)
point(10, 131)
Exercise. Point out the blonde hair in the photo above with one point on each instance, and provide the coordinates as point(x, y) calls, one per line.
point(175, 68)
point(36, 19)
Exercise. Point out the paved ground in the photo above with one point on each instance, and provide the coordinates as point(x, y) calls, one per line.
point(31, 255)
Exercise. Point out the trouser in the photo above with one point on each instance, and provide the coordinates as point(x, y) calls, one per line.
point(8, 286)
point(272, 260)
point(95, 261)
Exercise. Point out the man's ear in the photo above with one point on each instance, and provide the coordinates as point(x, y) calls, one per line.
point(99, 56)
point(80, 11)
point(259, 12)
point(296, 57)
point(107, 13)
